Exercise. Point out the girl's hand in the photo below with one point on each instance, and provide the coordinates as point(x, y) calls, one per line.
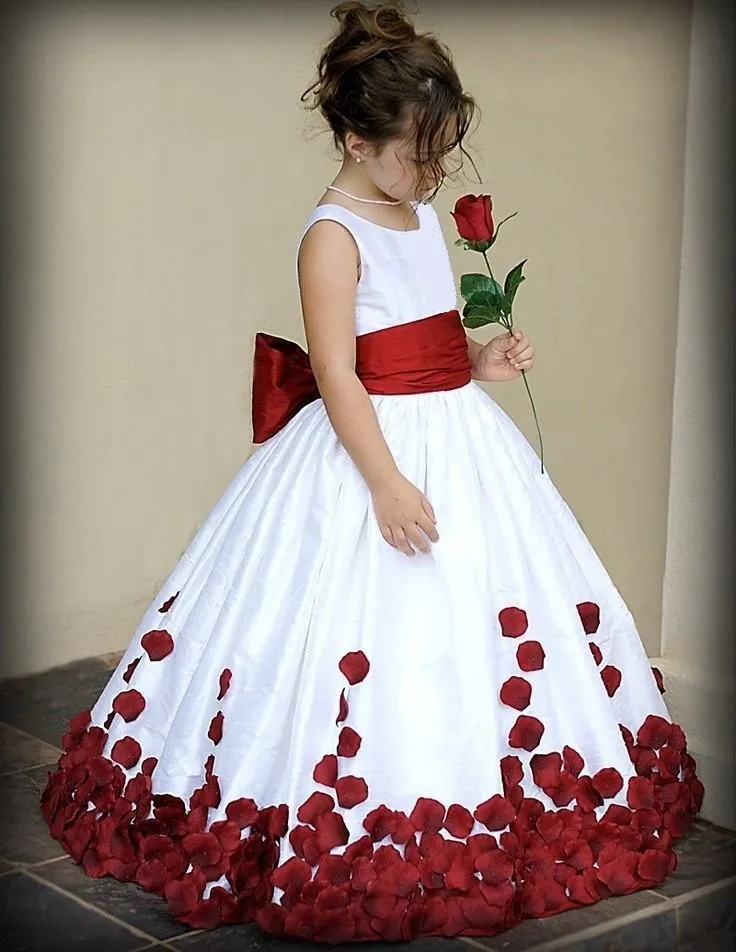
point(504, 357)
point(405, 515)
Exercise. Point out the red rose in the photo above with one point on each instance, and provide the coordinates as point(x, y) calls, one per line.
point(473, 216)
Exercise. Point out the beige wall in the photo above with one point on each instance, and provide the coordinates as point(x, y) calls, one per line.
point(169, 169)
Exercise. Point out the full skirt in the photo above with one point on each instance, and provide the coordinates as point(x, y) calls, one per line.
point(315, 732)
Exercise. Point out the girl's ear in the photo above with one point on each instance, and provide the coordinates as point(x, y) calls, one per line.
point(356, 147)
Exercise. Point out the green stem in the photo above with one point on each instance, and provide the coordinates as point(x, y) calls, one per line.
point(509, 325)
point(536, 419)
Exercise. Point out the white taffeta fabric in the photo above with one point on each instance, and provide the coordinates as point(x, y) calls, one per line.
point(300, 645)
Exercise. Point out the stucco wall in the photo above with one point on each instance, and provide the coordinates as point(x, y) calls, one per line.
point(168, 167)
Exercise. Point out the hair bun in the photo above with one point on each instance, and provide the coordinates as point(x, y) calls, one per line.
point(383, 25)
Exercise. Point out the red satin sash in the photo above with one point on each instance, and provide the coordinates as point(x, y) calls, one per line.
point(422, 356)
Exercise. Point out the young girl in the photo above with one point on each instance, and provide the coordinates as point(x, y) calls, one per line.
point(389, 690)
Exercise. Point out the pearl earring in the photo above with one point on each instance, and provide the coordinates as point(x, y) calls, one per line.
point(357, 158)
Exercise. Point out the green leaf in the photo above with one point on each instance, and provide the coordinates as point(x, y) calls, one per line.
point(460, 242)
point(475, 315)
point(511, 285)
point(474, 321)
point(471, 284)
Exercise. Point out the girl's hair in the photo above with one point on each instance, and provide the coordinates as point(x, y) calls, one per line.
point(380, 79)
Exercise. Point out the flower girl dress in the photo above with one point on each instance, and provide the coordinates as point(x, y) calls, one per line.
point(311, 731)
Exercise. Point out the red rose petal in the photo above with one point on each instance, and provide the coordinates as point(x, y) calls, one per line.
point(331, 832)
point(572, 760)
point(355, 666)
point(530, 656)
point(590, 616)
point(314, 806)
point(526, 732)
point(608, 782)
point(659, 679)
point(459, 821)
point(215, 730)
point(129, 704)
point(611, 679)
point(225, 678)
point(149, 765)
point(596, 652)
point(351, 791)
point(126, 752)
point(428, 815)
point(130, 669)
point(157, 644)
point(516, 692)
point(168, 603)
point(348, 743)
point(513, 622)
point(496, 813)
point(326, 771)
point(343, 709)
point(654, 732)
point(546, 769)
point(512, 772)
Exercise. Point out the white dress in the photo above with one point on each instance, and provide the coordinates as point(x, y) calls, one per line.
point(367, 746)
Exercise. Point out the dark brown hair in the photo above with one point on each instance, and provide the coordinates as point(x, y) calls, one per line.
point(380, 79)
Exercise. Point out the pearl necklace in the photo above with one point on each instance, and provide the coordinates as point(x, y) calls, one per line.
point(369, 201)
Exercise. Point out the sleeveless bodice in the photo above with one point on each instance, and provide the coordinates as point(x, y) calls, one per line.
point(404, 275)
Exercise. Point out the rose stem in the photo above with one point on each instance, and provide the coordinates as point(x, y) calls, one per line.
point(509, 325)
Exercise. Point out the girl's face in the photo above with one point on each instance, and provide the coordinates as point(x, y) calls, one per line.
point(396, 169)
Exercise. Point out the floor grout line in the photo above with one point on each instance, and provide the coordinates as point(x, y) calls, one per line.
point(684, 898)
point(14, 773)
point(89, 906)
point(44, 862)
point(468, 940)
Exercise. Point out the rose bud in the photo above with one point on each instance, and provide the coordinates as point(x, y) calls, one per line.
point(473, 216)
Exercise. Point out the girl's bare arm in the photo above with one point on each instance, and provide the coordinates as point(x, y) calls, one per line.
point(328, 274)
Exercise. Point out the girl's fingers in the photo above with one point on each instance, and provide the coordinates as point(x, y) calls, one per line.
point(417, 538)
point(428, 508)
point(401, 541)
point(386, 533)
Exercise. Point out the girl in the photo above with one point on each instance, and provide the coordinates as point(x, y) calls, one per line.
point(389, 690)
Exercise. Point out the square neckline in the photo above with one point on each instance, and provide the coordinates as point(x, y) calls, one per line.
point(395, 231)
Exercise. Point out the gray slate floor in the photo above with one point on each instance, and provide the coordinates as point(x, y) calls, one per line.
point(46, 903)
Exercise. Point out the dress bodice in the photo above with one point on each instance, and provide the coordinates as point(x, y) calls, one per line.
point(404, 275)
